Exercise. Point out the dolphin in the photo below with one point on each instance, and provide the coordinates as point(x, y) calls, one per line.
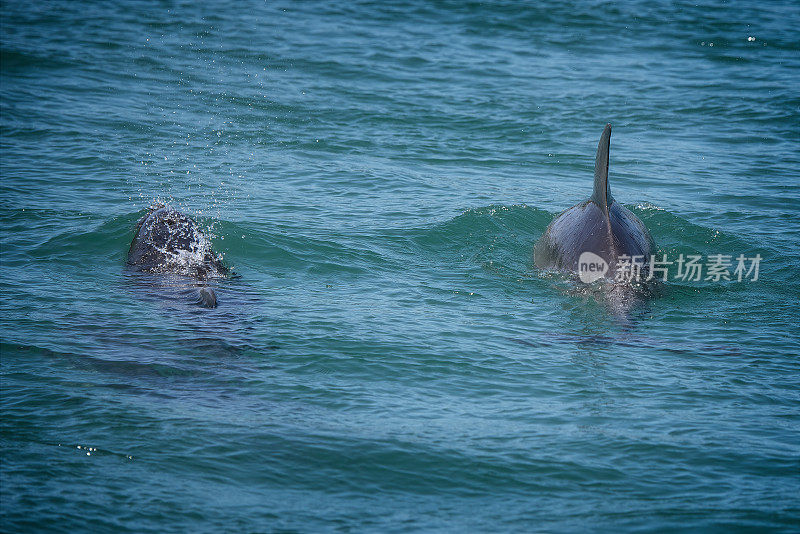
point(169, 242)
point(599, 227)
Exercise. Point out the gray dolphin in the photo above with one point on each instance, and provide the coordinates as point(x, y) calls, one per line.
point(169, 242)
point(599, 225)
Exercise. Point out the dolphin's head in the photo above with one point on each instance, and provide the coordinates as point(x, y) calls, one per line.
point(170, 242)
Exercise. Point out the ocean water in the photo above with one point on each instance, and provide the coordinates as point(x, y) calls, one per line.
point(387, 357)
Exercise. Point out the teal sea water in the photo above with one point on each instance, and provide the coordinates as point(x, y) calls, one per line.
point(388, 358)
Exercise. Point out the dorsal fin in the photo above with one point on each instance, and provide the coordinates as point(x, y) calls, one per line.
point(602, 192)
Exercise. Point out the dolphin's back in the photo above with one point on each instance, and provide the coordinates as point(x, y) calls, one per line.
point(631, 237)
point(578, 229)
point(599, 225)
